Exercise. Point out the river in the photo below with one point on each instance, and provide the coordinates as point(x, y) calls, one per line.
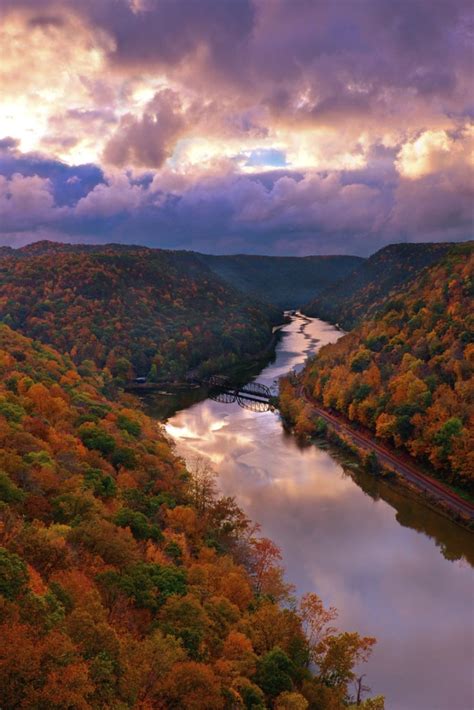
point(394, 568)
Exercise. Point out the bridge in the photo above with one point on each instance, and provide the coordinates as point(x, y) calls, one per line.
point(253, 395)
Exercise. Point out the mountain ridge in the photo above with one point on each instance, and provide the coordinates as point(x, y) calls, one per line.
point(359, 295)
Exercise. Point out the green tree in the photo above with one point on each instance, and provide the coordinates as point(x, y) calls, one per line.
point(274, 673)
point(94, 437)
point(139, 524)
point(9, 492)
point(101, 484)
point(13, 574)
point(149, 585)
point(444, 437)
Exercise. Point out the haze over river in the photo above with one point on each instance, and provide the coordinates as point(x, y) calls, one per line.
point(394, 568)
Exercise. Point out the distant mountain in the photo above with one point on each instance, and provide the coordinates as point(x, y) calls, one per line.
point(284, 281)
point(406, 373)
point(133, 310)
point(360, 293)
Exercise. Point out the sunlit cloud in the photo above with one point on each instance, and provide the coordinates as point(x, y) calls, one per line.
point(434, 151)
point(42, 72)
point(276, 125)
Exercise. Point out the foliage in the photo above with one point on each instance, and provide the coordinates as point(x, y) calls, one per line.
point(274, 674)
point(128, 583)
point(285, 281)
point(407, 372)
point(367, 288)
point(133, 311)
point(13, 574)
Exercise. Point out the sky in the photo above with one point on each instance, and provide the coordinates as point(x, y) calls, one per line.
point(237, 126)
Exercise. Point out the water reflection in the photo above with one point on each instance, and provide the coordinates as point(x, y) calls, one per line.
point(362, 545)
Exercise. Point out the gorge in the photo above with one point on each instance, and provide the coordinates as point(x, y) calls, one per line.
point(395, 568)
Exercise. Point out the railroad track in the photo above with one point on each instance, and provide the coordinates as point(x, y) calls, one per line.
point(412, 474)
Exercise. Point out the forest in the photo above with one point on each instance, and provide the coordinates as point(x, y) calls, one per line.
point(131, 311)
point(125, 580)
point(348, 300)
point(407, 372)
point(285, 281)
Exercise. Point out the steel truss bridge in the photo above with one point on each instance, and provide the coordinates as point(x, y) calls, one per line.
point(253, 395)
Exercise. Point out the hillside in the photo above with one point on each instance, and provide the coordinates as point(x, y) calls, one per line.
point(361, 292)
point(407, 372)
point(124, 581)
point(136, 311)
point(285, 281)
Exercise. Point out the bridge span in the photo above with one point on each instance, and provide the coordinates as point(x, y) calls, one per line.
point(254, 395)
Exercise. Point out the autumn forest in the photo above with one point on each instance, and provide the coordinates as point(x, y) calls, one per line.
point(236, 355)
point(127, 580)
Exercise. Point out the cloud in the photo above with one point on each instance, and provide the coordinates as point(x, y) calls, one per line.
point(68, 183)
point(371, 65)
point(44, 60)
point(436, 207)
point(115, 196)
point(26, 202)
point(296, 126)
point(436, 151)
point(147, 141)
point(283, 211)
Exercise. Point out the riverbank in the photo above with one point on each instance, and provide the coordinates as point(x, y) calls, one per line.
point(395, 566)
point(168, 399)
point(238, 373)
point(376, 457)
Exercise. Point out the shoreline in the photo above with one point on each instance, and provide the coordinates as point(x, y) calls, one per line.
point(436, 495)
point(238, 373)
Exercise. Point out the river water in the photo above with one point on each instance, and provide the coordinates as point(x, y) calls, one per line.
point(394, 568)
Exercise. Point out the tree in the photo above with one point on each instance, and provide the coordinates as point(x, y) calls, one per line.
point(316, 621)
point(202, 484)
point(238, 649)
point(41, 672)
point(274, 673)
point(153, 375)
point(94, 437)
point(148, 584)
point(9, 492)
point(139, 524)
point(361, 360)
point(338, 654)
point(143, 682)
point(451, 429)
point(189, 685)
point(264, 556)
point(291, 701)
point(123, 456)
point(13, 575)
point(115, 545)
point(185, 618)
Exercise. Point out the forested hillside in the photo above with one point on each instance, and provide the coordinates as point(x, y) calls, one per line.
point(132, 310)
point(407, 373)
point(285, 281)
point(125, 582)
point(360, 293)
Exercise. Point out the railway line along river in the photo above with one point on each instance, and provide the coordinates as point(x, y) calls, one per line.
point(394, 568)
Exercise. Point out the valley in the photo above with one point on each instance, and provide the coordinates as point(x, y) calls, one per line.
point(361, 543)
point(128, 469)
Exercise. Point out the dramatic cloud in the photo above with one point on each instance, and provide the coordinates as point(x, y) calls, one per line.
point(294, 126)
point(147, 141)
